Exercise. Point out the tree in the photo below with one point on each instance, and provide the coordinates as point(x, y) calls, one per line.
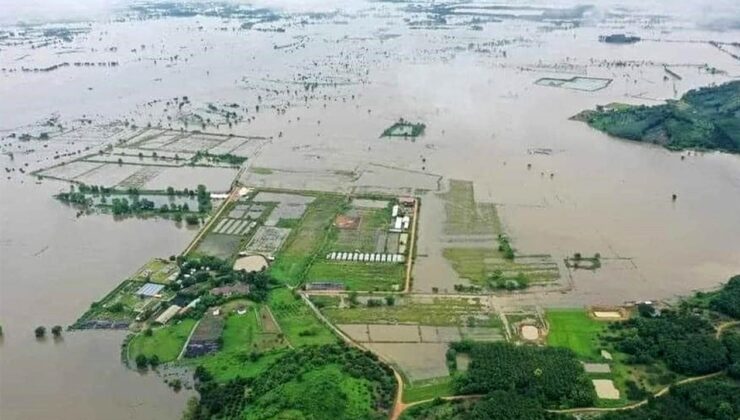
point(141, 361)
point(154, 361)
point(148, 332)
point(191, 219)
point(40, 332)
point(57, 331)
point(390, 300)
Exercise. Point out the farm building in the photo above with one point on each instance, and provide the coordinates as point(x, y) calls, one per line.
point(168, 313)
point(149, 290)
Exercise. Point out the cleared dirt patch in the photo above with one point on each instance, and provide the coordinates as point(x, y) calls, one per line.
point(394, 333)
point(596, 367)
point(530, 332)
point(251, 263)
point(430, 334)
point(605, 389)
point(357, 332)
point(418, 361)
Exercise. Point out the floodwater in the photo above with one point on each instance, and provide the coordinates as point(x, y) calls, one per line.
point(52, 266)
point(485, 117)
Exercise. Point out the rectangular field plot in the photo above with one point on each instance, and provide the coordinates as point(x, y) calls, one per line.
point(108, 175)
point(70, 170)
point(307, 239)
point(193, 143)
point(432, 334)
point(230, 226)
point(358, 275)
point(450, 312)
point(394, 333)
point(267, 240)
point(289, 206)
point(465, 216)
point(589, 84)
point(215, 179)
point(576, 330)
point(219, 245)
point(297, 322)
point(365, 230)
point(147, 160)
point(139, 178)
point(487, 267)
point(418, 361)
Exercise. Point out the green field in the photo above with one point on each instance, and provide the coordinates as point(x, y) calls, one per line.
point(428, 390)
point(359, 276)
point(228, 365)
point(465, 216)
point(574, 329)
point(307, 239)
point(373, 222)
point(298, 323)
point(165, 342)
point(487, 267)
point(244, 332)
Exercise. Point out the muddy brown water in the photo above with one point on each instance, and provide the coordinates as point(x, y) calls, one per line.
point(484, 116)
point(52, 266)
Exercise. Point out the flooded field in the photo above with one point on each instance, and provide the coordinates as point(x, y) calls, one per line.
point(298, 99)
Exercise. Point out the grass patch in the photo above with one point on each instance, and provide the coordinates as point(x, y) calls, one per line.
point(488, 267)
point(464, 215)
point(165, 342)
point(244, 332)
point(428, 390)
point(298, 323)
point(358, 275)
point(574, 329)
point(307, 239)
point(228, 365)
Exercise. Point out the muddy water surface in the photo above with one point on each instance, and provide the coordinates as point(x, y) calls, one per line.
point(52, 266)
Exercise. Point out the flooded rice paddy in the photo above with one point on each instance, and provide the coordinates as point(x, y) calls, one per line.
point(305, 98)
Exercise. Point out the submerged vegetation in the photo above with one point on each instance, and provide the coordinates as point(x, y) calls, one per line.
point(403, 128)
point(704, 119)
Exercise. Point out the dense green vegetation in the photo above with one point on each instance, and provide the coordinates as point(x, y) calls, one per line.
point(403, 128)
point(682, 340)
point(226, 158)
point(331, 381)
point(727, 300)
point(551, 376)
point(498, 405)
point(711, 399)
point(574, 329)
point(706, 118)
point(130, 202)
point(299, 325)
point(306, 240)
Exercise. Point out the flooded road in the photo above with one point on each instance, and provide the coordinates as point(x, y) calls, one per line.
point(52, 266)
